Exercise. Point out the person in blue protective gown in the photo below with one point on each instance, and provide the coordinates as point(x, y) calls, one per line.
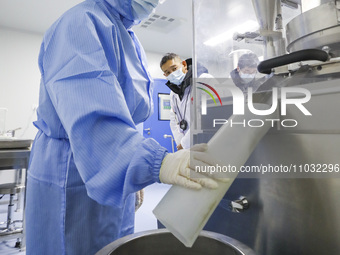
point(88, 159)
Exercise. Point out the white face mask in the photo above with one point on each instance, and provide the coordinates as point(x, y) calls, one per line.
point(141, 9)
point(247, 77)
point(176, 77)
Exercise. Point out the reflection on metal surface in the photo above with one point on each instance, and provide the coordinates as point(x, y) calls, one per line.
point(293, 215)
point(306, 31)
point(306, 5)
point(296, 214)
point(239, 205)
point(287, 216)
point(160, 242)
point(269, 16)
point(266, 11)
point(290, 3)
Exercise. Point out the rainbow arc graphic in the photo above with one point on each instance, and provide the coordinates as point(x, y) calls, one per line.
point(209, 93)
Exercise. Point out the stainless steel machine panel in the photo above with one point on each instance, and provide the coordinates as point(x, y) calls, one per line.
point(293, 213)
point(310, 4)
point(315, 28)
point(297, 213)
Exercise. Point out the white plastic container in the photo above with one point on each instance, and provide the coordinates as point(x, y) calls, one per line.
point(185, 212)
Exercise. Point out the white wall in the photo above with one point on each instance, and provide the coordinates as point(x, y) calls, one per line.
point(19, 79)
point(154, 59)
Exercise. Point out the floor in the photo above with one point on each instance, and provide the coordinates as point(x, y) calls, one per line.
point(144, 219)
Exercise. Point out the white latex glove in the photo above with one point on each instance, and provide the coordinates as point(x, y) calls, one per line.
point(176, 168)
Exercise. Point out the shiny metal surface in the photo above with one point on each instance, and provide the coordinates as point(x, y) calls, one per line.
point(295, 215)
point(269, 16)
point(306, 31)
point(239, 205)
point(291, 3)
point(310, 4)
point(162, 242)
point(14, 143)
point(15, 159)
point(286, 216)
point(266, 11)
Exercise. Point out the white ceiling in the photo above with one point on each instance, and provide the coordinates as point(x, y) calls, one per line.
point(37, 15)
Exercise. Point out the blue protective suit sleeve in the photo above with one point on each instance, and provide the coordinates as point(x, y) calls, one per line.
point(80, 71)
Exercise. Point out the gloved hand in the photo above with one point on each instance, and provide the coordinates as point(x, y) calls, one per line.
point(176, 167)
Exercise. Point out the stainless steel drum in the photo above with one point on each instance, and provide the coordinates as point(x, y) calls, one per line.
point(316, 28)
point(162, 242)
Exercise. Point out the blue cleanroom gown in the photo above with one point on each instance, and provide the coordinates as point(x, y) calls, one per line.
point(88, 159)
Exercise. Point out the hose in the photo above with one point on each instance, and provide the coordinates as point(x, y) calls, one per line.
point(302, 55)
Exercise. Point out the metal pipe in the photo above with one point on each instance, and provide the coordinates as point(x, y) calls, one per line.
point(172, 141)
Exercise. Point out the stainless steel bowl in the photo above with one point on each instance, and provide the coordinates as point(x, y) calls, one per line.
point(162, 242)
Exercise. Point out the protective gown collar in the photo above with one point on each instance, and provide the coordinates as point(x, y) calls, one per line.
point(124, 9)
